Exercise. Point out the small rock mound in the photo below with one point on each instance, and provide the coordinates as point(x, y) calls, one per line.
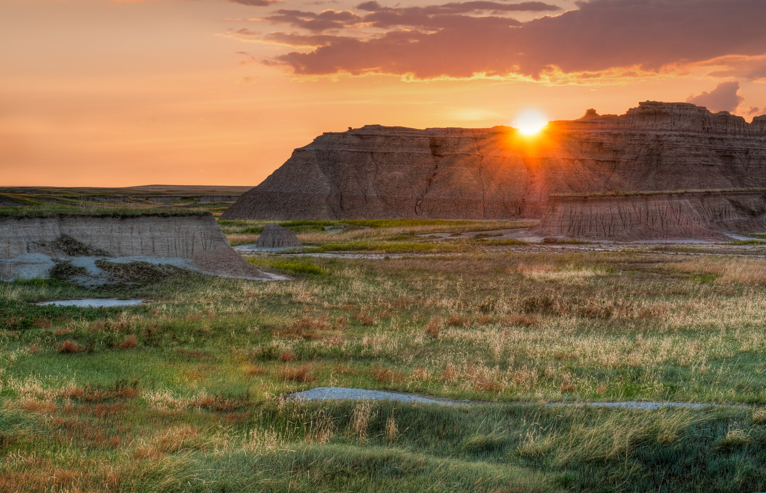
point(275, 236)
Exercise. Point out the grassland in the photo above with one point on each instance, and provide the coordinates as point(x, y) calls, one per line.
point(384, 235)
point(186, 392)
point(44, 202)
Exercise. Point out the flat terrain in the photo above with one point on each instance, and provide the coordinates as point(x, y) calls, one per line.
point(14, 200)
point(187, 392)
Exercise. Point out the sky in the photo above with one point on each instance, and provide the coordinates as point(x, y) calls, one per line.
point(219, 92)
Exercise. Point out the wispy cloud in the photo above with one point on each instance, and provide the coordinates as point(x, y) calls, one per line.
point(255, 3)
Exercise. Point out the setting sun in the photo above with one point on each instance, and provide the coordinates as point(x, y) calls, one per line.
point(530, 122)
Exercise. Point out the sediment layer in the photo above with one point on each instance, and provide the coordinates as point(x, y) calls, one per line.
point(659, 216)
point(496, 173)
point(31, 246)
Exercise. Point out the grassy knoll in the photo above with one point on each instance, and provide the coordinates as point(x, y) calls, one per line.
point(183, 393)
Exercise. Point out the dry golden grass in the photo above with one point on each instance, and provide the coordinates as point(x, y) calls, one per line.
point(749, 271)
point(361, 418)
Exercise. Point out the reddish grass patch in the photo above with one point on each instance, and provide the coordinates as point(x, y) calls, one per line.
point(486, 385)
point(364, 318)
point(484, 319)
point(62, 331)
point(193, 317)
point(253, 370)
point(567, 387)
point(342, 369)
point(223, 404)
point(97, 393)
point(458, 321)
point(130, 342)
point(286, 356)
point(384, 375)
point(302, 374)
point(521, 320)
point(68, 347)
point(43, 323)
point(37, 406)
point(434, 327)
point(449, 374)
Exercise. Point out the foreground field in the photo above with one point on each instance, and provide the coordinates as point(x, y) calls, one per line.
point(185, 393)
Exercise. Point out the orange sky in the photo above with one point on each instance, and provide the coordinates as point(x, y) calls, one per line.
point(107, 93)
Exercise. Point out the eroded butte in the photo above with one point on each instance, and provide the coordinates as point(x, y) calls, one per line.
point(498, 173)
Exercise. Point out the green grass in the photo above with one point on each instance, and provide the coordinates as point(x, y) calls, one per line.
point(746, 242)
point(184, 393)
point(296, 266)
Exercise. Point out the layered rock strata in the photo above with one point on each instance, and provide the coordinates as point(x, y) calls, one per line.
point(496, 173)
point(275, 236)
point(30, 246)
point(655, 216)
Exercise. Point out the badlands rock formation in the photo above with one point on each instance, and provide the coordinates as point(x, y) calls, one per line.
point(656, 216)
point(496, 173)
point(275, 236)
point(30, 247)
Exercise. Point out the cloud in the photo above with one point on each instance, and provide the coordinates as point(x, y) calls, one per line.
point(464, 7)
point(752, 68)
point(431, 18)
point(602, 35)
point(723, 98)
point(297, 39)
point(324, 21)
point(255, 3)
point(755, 111)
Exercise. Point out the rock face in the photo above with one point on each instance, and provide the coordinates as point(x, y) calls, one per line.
point(496, 173)
point(30, 247)
point(657, 216)
point(275, 236)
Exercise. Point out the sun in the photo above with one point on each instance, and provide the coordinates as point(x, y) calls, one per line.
point(529, 122)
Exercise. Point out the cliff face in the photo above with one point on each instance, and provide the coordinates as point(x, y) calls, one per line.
point(671, 216)
point(174, 236)
point(30, 247)
point(391, 172)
